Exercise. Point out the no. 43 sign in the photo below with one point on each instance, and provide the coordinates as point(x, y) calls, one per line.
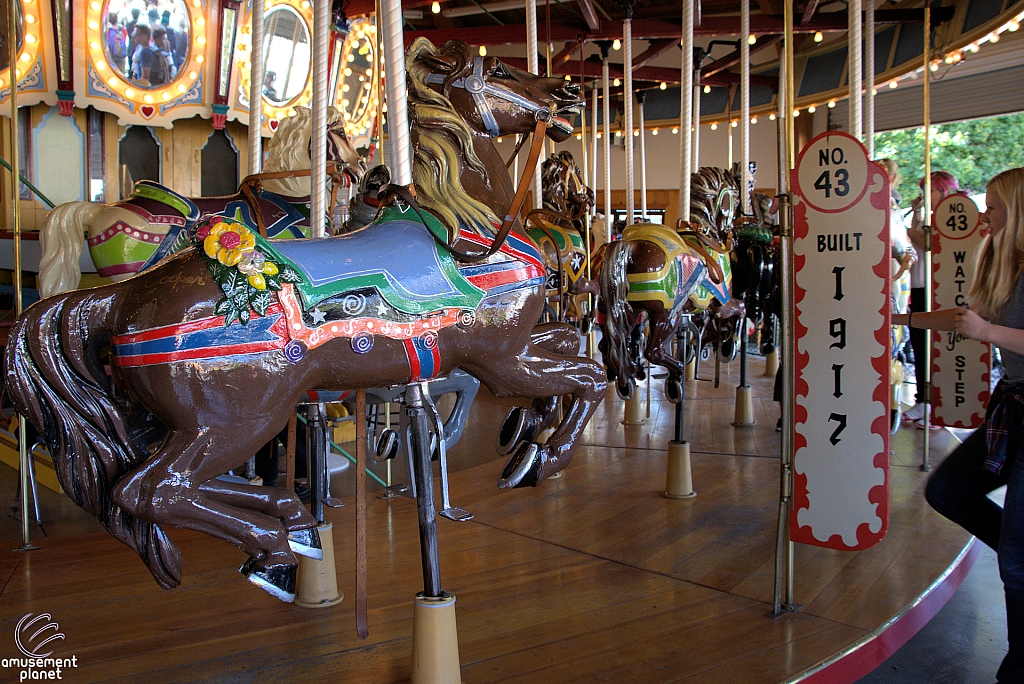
point(841, 249)
point(960, 367)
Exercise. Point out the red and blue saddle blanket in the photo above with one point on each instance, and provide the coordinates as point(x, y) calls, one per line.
point(390, 280)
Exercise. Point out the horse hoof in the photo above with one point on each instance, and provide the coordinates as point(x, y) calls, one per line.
point(276, 580)
point(674, 390)
point(306, 543)
point(517, 428)
point(585, 326)
point(624, 389)
point(523, 469)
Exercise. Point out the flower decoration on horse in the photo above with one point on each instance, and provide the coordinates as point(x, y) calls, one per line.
point(240, 268)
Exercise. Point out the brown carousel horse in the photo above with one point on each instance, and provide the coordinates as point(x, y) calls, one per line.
point(661, 272)
point(558, 230)
point(219, 342)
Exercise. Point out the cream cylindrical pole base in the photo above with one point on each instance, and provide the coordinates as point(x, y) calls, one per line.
point(744, 416)
point(435, 641)
point(317, 583)
point(771, 364)
point(679, 481)
point(635, 414)
point(691, 370)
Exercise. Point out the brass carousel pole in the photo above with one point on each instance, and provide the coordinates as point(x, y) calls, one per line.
point(783, 594)
point(926, 392)
point(23, 453)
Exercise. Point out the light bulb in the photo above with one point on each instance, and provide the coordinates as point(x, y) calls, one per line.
point(663, 85)
point(616, 44)
point(753, 120)
point(994, 37)
point(893, 83)
point(811, 109)
point(796, 113)
point(654, 131)
point(831, 104)
point(675, 130)
point(751, 39)
point(818, 37)
point(714, 127)
point(734, 124)
point(616, 82)
point(636, 133)
point(435, 7)
point(483, 51)
point(707, 89)
point(771, 116)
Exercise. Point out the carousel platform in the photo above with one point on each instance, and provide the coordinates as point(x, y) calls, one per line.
point(593, 576)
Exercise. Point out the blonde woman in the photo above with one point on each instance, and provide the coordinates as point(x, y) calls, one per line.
point(994, 454)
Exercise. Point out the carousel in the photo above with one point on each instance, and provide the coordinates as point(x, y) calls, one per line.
point(289, 279)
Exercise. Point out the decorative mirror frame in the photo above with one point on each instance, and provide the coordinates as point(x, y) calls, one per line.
point(108, 90)
point(35, 66)
point(272, 114)
point(358, 129)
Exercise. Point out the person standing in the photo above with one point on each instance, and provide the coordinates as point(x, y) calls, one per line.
point(944, 184)
point(993, 455)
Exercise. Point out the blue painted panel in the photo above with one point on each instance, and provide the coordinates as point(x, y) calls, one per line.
point(910, 45)
point(823, 72)
point(981, 11)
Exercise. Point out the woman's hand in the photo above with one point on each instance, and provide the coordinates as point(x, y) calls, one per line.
point(970, 324)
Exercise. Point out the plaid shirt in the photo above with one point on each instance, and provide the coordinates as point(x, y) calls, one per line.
point(1002, 420)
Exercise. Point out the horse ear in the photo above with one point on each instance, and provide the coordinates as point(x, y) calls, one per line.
point(444, 64)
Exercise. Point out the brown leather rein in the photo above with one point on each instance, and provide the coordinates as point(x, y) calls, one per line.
point(254, 183)
point(406, 195)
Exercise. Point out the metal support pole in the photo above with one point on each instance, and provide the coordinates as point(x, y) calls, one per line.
point(927, 209)
point(643, 157)
point(782, 599)
point(24, 453)
point(682, 343)
point(256, 67)
point(318, 209)
point(534, 68)
point(628, 104)
point(423, 475)
point(745, 110)
point(607, 125)
point(316, 454)
point(855, 48)
point(686, 113)
point(869, 71)
point(398, 104)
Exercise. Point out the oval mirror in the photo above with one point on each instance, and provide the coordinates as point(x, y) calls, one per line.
point(147, 44)
point(287, 55)
point(5, 57)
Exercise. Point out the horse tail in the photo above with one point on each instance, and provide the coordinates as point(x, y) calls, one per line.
point(61, 240)
point(55, 378)
point(619, 316)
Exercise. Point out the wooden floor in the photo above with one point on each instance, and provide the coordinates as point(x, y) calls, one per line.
point(590, 577)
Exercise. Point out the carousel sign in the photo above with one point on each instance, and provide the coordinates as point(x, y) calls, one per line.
point(960, 367)
point(841, 249)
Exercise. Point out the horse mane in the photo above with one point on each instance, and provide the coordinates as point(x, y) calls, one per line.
point(443, 141)
point(713, 195)
point(288, 150)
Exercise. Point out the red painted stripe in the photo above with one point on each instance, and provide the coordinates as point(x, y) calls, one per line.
point(184, 328)
point(414, 359)
point(119, 269)
point(505, 248)
point(488, 281)
point(436, 353)
point(846, 669)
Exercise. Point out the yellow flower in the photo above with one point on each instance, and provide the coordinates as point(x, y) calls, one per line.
point(270, 268)
point(228, 242)
point(258, 282)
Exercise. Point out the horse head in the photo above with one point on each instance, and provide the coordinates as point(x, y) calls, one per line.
point(290, 149)
point(493, 97)
point(564, 190)
point(713, 196)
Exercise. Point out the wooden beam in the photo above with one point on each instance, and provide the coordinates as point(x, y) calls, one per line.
point(656, 29)
point(589, 14)
point(733, 58)
point(808, 11)
point(566, 53)
point(655, 48)
point(592, 69)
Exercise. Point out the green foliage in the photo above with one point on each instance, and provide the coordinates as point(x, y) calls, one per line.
point(973, 151)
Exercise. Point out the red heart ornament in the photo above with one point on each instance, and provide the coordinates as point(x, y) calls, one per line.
point(147, 111)
point(273, 124)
